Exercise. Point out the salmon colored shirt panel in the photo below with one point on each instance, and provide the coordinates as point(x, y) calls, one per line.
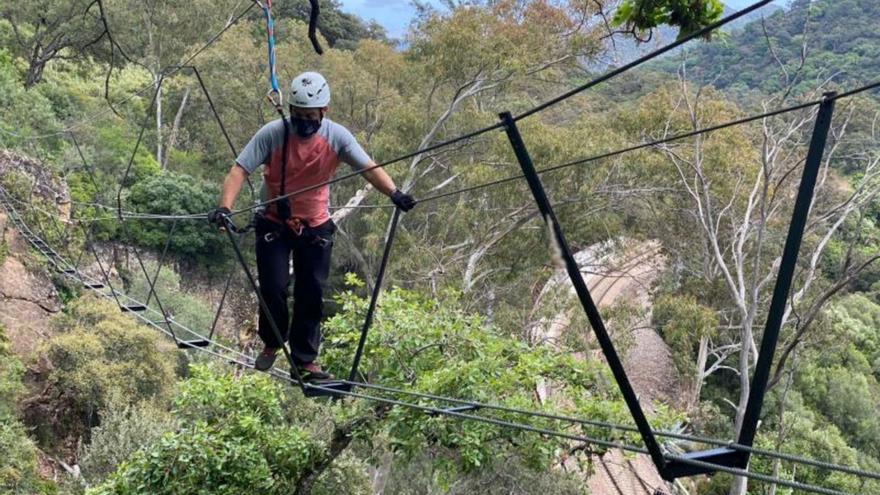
point(310, 161)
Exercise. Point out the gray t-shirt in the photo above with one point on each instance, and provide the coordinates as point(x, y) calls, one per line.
point(269, 138)
point(310, 161)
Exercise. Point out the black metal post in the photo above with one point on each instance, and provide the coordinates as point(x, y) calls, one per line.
point(583, 293)
point(368, 321)
point(787, 266)
point(218, 119)
point(137, 145)
point(220, 306)
point(161, 262)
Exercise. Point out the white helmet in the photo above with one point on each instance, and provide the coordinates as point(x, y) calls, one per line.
point(309, 90)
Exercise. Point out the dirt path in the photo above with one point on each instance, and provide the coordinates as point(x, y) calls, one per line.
point(616, 272)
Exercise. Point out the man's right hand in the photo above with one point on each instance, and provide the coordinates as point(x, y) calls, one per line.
point(220, 217)
point(403, 200)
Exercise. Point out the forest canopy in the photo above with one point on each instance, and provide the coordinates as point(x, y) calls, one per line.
point(120, 119)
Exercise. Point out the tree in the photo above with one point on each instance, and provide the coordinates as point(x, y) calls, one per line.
point(157, 35)
point(24, 113)
point(342, 30)
point(170, 193)
point(739, 208)
point(432, 345)
point(688, 327)
point(52, 30)
point(690, 16)
point(235, 437)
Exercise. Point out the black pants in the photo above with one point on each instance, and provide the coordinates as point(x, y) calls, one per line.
point(311, 266)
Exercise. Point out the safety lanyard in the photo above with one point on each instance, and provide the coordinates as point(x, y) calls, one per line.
point(274, 94)
point(275, 97)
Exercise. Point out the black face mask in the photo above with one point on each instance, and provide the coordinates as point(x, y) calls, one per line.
point(305, 127)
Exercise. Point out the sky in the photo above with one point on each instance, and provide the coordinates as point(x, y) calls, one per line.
point(395, 15)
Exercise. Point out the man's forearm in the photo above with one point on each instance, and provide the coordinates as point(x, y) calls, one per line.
point(380, 179)
point(232, 186)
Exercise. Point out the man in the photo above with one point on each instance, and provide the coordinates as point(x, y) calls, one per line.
point(300, 225)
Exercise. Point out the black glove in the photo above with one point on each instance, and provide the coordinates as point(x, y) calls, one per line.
point(403, 200)
point(220, 216)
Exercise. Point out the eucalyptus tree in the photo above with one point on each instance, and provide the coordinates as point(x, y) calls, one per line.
point(47, 30)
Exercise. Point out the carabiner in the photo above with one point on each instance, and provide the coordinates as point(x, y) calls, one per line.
point(276, 99)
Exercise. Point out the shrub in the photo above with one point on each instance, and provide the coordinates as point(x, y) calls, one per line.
point(347, 475)
point(125, 429)
point(682, 322)
point(18, 471)
point(233, 440)
point(176, 194)
point(11, 371)
point(24, 114)
point(431, 345)
point(101, 355)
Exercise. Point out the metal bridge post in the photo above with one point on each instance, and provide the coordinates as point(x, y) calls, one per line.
point(368, 321)
point(583, 293)
point(786, 271)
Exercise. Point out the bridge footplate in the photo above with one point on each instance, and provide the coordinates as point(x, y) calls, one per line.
point(329, 388)
point(189, 344)
point(133, 307)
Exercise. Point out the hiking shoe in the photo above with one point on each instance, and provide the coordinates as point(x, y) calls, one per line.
point(311, 372)
point(266, 358)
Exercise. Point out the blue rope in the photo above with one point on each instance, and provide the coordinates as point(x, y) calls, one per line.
point(274, 94)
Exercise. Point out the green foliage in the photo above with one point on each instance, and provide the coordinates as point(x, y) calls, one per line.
point(841, 381)
point(840, 37)
point(18, 471)
point(171, 193)
point(24, 114)
point(102, 355)
point(347, 475)
point(4, 251)
point(17, 184)
point(688, 15)
point(503, 476)
point(47, 30)
point(181, 306)
point(125, 429)
point(848, 397)
point(233, 440)
point(858, 317)
point(11, 372)
point(682, 322)
point(430, 345)
point(116, 145)
point(342, 30)
point(806, 432)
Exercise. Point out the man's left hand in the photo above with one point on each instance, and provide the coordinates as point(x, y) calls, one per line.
point(403, 200)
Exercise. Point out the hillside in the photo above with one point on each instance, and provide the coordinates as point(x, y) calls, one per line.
point(623, 48)
point(841, 39)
